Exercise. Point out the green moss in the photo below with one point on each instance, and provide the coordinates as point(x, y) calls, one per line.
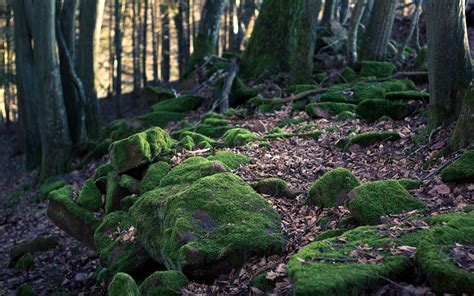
point(164, 283)
point(116, 246)
point(155, 173)
point(240, 93)
point(299, 88)
point(272, 186)
point(210, 130)
point(377, 69)
point(137, 149)
point(190, 170)
point(372, 110)
point(123, 284)
point(276, 133)
point(311, 135)
point(421, 61)
point(38, 244)
point(212, 115)
point(261, 282)
point(368, 139)
point(462, 170)
point(398, 85)
point(332, 109)
point(292, 121)
point(160, 118)
point(353, 93)
point(198, 138)
point(49, 185)
point(330, 234)
point(25, 262)
point(269, 108)
point(160, 93)
point(373, 200)
point(238, 137)
point(25, 290)
point(180, 104)
point(102, 171)
point(346, 115)
point(90, 197)
point(408, 95)
point(129, 183)
point(187, 143)
point(348, 74)
point(410, 184)
point(332, 188)
point(327, 268)
point(216, 121)
point(232, 160)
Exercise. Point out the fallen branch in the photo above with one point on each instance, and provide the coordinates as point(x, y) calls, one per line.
point(223, 101)
point(417, 76)
point(444, 165)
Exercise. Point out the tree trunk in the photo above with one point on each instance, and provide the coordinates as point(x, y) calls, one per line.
point(165, 43)
point(344, 11)
point(91, 12)
point(414, 23)
point(145, 47)
point(463, 134)
point(27, 105)
point(154, 39)
point(206, 39)
point(136, 46)
point(118, 56)
point(55, 141)
point(245, 14)
point(179, 24)
point(302, 61)
point(367, 13)
point(273, 39)
point(449, 60)
point(328, 14)
point(379, 30)
point(353, 32)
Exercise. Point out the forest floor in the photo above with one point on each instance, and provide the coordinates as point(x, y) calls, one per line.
point(71, 266)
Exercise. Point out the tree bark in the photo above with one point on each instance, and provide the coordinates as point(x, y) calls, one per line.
point(352, 34)
point(90, 19)
point(118, 56)
point(245, 13)
point(463, 134)
point(328, 14)
point(27, 105)
point(414, 23)
point(206, 39)
point(136, 45)
point(165, 43)
point(145, 44)
point(55, 141)
point(379, 30)
point(449, 60)
point(344, 11)
point(154, 40)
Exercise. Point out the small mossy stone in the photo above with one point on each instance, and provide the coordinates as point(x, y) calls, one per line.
point(346, 115)
point(213, 115)
point(114, 193)
point(332, 188)
point(25, 290)
point(410, 184)
point(397, 85)
point(408, 95)
point(348, 74)
point(38, 244)
point(155, 173)
point(368, 138)
point(269, 108)
point(123, 285)
point(377, 69)
point(129, 183)
point(50, 185)
point(164, 283)
point(291, 121)
point(421, 61)
point(180, 104)
point(232, 160)
point(25, 262)
point(372, 200)
point(90, 197)
point(198, 138)
point(272, 186)
point(216, 121)
point(213, 131)
point(462, 170)
point(160, 118)
point(328, 109)
point(261, 282)
point(371, 110)
point(239, 137)
point(102, 171)
point(187, 143)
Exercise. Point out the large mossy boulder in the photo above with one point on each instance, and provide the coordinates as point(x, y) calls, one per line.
point(117, 245)
point(332, 188)
point(164, 283)
point(372, 110)
point(462, 170)
point(180, 105)
point(328, 109)
point(232, 160)
point(354, 93)
point(75, 220)
point(204, 221)
point(138, 149)
point(123, 285)
point(275, 187)
point(48, 186)
point(370, 201)
point(376, 69)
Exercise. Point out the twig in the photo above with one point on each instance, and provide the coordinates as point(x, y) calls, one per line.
point(441, 167)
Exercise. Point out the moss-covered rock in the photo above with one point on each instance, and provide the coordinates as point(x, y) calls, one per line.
point(117, 245)
point(186, 143)
point(408, 95)
point(75, 220)
point(154, 175)
point(25, 262)
point(212, 115)
point(272, 186)
point(90, 197)
point(199, 138)
point(138, 149)
point(421, 61)
point(238, 137)
point(346, 115)
point(122, 284)
point(332, 188)
point(129, 183)
point(261, 282)
point(25, 290)
point(115, 193)
point(395, 85)
point(164, 283)
point(410, 184)
point(327, 109)
point(211, 130)
point(372, 110)
point(205, 226)
point(102, 171)
point(376, 69)
point(462, 170)
point(372, 200)
point(49, 185)
point(38, 244)
point(232, 160)
point(368, 139)
point(353, 93)
point(181, 104)
point(160, 118)
point(159, 93)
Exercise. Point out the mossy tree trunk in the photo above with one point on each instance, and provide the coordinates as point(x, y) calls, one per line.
point(379, 30)
point(27, 105)
point(274, 38)
point(302, 61)
point(449, 60)
point(90, 19)
point(463, 134)
point(55, 140)
point(206, 39)
point(353, 31)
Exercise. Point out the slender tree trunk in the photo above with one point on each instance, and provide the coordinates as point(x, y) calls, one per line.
point(463, 134)
point(27, 105)
point(136, 46)
point(118, 57)
point(233, 29)
point(379, 30)
point(367, 13)
point(91, 13)
point(344, 11)
point(353, 31)
point(328, 14)
point(187, 20)
point(154, 38)
point(446, 25)
point(111, 49)
point(303, 55)
point(165, 43)
point(55, 141)
point(179, 24)
point(414, 23)
point(207, 37)
point(245, 14)
point(145, 44)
